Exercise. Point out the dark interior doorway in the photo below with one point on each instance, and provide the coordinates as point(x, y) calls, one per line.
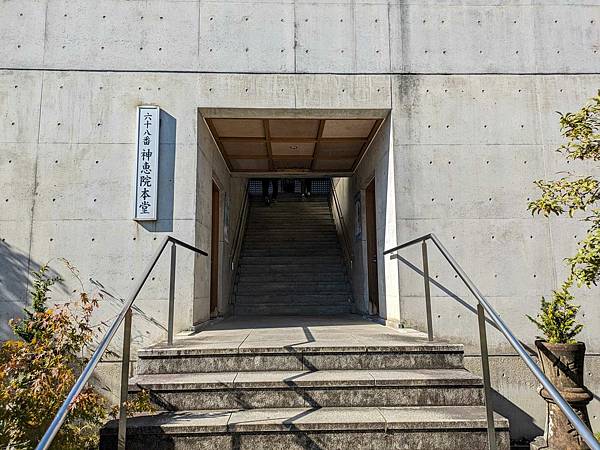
point(372, 249)
point(214, 252)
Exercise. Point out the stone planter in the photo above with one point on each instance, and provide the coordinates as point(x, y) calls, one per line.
point(563, 365)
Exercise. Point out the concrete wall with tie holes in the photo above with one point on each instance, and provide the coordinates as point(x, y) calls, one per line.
point(472, 87)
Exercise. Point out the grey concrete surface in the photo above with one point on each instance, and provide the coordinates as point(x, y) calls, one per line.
point(286, 36)
point(472, 88)
point(402, 428)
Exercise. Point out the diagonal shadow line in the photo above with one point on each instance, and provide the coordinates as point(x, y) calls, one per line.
point(454, 296)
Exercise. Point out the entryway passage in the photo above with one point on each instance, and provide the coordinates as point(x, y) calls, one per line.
point(291, 261)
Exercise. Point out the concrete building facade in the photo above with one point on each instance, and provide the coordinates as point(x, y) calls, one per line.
point(468, 93)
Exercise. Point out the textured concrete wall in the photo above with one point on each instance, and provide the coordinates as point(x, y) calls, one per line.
point(472, 87)
point(286, 36)
point(466, 149)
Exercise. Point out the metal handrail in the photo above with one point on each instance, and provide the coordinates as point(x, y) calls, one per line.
point(347, 241)
point(239, 229)
point(236, 248)
point(124, 316)
point(484, 307)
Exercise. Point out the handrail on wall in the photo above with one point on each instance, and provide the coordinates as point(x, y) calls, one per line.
point(124, 316)
point(237, 240)
point(484, 307)
point(347, 244)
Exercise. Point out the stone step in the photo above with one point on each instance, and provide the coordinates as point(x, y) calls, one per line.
point(268, 285)
point(298, 220)
point(286, 277)
point(295, 260)
point(292, 210)
point(189, 356)
point(314, 241)
point(433, 427)
point(309, 251)
point(327, 388)
point(289, 309)
point(290, 227)
point(307, 238)
point(271, 247)
point(289, 268)
point(293, 218)
point(291, 298)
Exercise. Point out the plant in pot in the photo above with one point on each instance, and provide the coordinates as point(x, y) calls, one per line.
point(561, 355)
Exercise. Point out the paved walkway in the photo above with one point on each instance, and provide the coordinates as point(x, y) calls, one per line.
point(351, 332)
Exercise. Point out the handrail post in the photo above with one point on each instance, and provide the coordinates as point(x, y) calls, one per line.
point(122, 437)
point(172, 293)
point(427, 290)
point(487, 385)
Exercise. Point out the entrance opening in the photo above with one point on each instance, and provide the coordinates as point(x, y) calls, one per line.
point(214, 252)
point(372, 249)
point(294, 255)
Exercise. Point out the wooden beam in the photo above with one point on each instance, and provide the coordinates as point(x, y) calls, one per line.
point(293, 157)
point(366, 145)
point(268, 139)
point(291, 140)
point(319, 137)
point(215, 136)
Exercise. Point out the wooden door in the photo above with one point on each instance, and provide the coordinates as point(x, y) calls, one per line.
point(372, 248)
point(214, 252)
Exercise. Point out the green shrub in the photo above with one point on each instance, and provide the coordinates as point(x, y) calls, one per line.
point(39, 368)
point(569, 195)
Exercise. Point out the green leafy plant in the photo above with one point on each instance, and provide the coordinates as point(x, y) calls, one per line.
point(38, 369)
point(569, 195)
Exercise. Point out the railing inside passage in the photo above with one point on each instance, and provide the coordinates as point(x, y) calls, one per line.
point(334, 205)
point(125, 318)
point(483, 308)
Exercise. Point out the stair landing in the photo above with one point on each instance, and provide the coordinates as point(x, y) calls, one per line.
point(307, 382)
point(347, 332)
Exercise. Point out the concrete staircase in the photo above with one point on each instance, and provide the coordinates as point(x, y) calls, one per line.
point(291, 262)
point(307, 383)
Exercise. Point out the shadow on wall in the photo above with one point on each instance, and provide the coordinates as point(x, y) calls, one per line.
point(14, 285)
point(521, 423)
point(166, 175)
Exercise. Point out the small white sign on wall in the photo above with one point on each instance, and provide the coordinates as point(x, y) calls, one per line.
point(146, 178)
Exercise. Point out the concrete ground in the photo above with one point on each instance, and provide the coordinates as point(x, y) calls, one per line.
point(350, 331)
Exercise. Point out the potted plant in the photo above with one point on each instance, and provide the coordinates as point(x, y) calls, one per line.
point(561, 356)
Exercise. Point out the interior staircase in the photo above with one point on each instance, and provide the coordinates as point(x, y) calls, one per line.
point(291, 262)
point(329, 380)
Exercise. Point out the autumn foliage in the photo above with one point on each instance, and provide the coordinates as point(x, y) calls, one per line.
point(39, 367)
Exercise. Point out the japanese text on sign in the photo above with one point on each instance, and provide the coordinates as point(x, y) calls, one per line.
point(146, 187)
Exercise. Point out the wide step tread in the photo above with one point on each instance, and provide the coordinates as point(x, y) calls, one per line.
point(435, 427)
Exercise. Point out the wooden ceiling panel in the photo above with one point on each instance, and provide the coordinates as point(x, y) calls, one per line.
point(245, 148)
point(339, 149)
point(291, 148)
point(288, 145)
point(246, 165)
point(343, 165)
point(239, 127)
point(294, 128)
point(302, 164)
point(356, 128)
